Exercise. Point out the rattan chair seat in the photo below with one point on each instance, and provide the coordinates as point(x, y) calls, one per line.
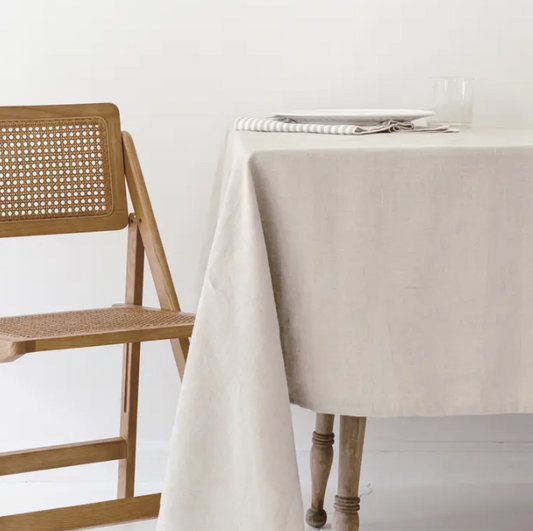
point(104, 326)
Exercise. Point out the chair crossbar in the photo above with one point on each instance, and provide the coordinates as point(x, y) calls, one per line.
point(66, 455)
point(84, 516)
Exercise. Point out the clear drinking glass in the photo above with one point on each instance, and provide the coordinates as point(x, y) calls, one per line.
point(453, 101)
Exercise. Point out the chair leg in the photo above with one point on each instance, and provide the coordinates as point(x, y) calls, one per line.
point(352, 438)
point(131, 365)
point(128, 419)
point(321, 460)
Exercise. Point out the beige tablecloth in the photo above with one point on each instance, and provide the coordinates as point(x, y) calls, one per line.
point(386, 275)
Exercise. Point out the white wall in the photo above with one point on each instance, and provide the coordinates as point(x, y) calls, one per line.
point(180, 71)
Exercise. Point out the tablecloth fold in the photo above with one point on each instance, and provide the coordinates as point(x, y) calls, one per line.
point(229, 470)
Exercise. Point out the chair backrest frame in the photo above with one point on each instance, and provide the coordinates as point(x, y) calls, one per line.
point(61, 170)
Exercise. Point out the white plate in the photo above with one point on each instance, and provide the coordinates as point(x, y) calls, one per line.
point(353, 116)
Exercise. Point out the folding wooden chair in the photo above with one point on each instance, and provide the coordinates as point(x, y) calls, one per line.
point(62, 171)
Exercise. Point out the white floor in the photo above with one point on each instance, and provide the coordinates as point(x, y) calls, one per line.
point(415, 508)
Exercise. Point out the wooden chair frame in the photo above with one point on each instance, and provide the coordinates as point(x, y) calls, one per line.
point(143, 239)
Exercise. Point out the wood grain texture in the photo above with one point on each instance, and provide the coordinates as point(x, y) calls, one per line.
point(117, 217)
point(85, 516)
point(347, 502)
point(321, 461)
point(131, 364)
point(111, 338)
point(62, 456)
point(10, 351)
point(109, 111)
point(155, 252)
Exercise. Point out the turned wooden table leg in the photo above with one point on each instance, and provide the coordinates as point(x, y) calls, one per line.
point(352, 438)
point(321, 459)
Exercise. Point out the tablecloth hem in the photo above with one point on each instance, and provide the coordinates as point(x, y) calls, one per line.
point(453, 411)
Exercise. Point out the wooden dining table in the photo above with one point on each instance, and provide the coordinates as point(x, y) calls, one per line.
point(385, 275)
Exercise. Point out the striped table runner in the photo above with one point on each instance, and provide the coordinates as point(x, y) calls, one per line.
point(286, 125)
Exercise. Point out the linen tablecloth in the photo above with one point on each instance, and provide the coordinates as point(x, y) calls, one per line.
point(386, 275)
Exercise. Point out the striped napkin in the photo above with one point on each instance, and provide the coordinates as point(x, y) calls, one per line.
point(286, 125)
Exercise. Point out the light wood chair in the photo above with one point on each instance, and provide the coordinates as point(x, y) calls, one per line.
point(347, 501)
point(62, 171)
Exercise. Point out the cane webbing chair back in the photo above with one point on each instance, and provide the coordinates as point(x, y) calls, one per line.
point(61, 170)
point(64, 169)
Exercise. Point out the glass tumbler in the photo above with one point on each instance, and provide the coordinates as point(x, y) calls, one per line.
point(453, 101)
